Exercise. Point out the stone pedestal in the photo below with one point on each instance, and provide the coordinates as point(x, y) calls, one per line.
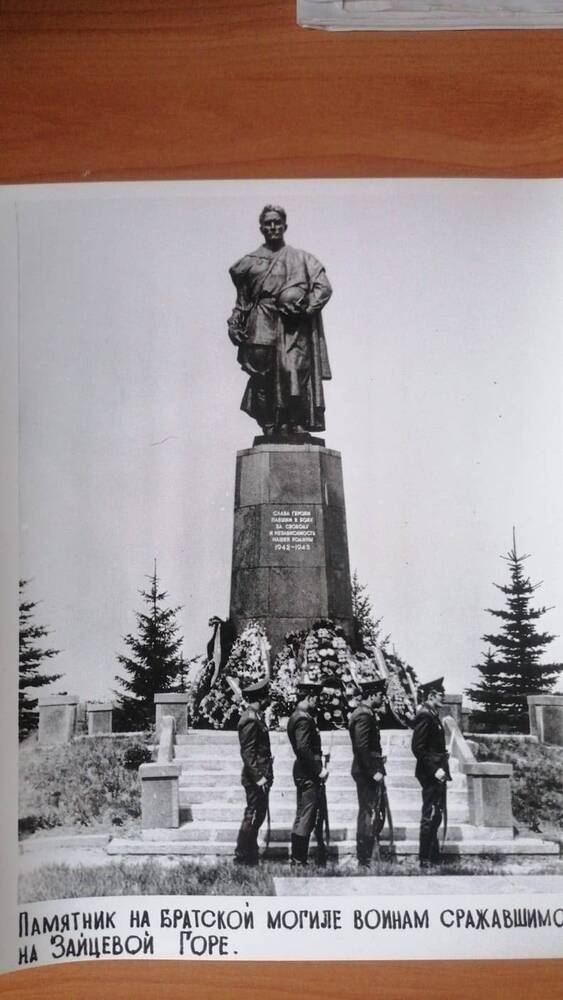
point(100, 717)
point(57, 718)
point(174, 704)
point(489, 793)
point(451, 705)
point(160, 796)
point(290, 546)
point(546, 717)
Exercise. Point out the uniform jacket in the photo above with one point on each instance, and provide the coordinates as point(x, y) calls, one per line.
point(366, 743)
point(255, 751)
point(429, 745)
point(305, 739)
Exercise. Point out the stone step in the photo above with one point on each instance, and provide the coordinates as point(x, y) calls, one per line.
point(334, 737)
point(212, 812)
point(216, 762)
point(233, 766)
point(344, 795)
point(336, 850)
point(344, 752)
point(228, 831)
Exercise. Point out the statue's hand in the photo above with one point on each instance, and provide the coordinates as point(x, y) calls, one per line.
point(236, 336)
point(294, 308)
point(237, 331)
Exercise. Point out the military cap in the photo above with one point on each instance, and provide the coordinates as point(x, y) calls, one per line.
point(425, 689)
point(375, 686)
point(256, 690)
point(305, 686)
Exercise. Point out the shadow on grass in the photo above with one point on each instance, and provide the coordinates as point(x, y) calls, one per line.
point(192, 878)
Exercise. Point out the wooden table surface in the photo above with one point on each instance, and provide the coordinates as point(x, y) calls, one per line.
point(158, 89)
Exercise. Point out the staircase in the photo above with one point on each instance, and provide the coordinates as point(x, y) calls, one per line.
point(212, 801)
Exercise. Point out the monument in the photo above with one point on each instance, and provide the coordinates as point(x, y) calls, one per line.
point(290, 562)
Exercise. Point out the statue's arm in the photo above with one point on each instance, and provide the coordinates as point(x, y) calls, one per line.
point(237, 321)
point(320, 287)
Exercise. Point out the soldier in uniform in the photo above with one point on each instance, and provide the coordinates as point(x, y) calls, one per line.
point(309, 773)
point(257, 771)
point(432, 768)
point(368, 769)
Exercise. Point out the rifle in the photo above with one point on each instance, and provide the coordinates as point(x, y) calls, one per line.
point(268, 820)
point(389, 819)
point(322, 826)
point(445, 809)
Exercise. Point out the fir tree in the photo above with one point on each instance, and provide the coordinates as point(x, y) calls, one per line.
point(155, 663)
point(31, 661)
point(367, 628)
point(511, 669)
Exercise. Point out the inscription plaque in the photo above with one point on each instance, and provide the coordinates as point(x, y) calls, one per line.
point(292, 529)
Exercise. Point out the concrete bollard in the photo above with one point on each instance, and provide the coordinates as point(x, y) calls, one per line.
point(546, 717)
point(160, 796)
point(174, 704)
point(100, 716)
point(489, 793)
point(57, 718)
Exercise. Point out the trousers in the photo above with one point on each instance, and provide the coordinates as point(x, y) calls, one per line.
point(253, 817)
point(309, 817)
point(371, 817)
point(433, 792)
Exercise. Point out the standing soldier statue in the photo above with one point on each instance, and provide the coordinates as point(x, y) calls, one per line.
point(309, 775)
point(276, 325)
point(368, 769)
point(432, 769)
point(257, 771)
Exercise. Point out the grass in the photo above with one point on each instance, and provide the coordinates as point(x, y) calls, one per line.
point(193, 878)
point(87, 783)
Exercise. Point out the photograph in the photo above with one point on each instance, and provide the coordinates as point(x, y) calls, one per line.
point(291, 547)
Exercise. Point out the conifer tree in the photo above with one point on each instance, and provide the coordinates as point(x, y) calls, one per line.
point(511, 669)
point(367, 628)
point(31, 660)
point(155, 661)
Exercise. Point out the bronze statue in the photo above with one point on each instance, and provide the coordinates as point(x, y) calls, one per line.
point(276, 325)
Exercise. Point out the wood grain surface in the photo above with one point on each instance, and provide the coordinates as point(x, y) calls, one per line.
point(147, 89)
point(109, 89)
point(151, 980)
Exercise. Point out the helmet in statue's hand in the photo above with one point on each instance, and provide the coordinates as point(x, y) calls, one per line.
point(292, 300)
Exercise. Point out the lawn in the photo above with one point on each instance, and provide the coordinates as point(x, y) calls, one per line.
point(164, 877)
point(90, 783)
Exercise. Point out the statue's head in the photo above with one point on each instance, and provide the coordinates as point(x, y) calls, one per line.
point(273, 208)
point(273, 224)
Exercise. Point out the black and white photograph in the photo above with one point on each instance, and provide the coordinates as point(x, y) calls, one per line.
point(290, 465)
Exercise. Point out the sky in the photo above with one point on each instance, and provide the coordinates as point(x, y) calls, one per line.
point(444, 335)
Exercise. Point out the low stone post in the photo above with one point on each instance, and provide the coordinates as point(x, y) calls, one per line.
point(100, 716)
point(546, 717)
point(452, 705)
point(57, 718)
point(489, 793)
point(160, 796)
point(174, 704)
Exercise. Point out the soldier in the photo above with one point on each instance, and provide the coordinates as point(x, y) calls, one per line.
point(257, 772)
point(368, 769)
point(432, 768)
point(309, 775)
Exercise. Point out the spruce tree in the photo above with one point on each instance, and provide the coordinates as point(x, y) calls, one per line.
point(31, 659)
point(511, 669)
point(367, 628)
point(155, 661)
